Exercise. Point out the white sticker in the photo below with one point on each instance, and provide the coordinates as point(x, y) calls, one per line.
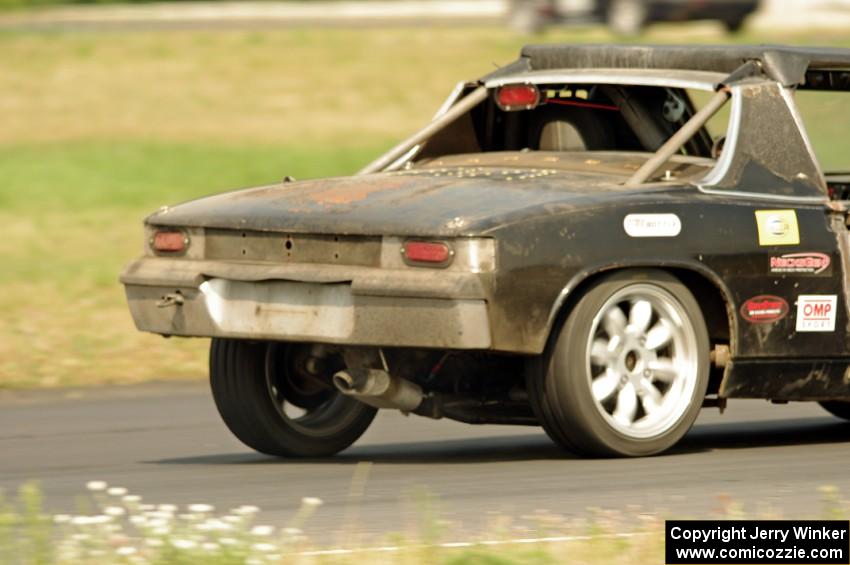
point(816, 312)
point(652, 225)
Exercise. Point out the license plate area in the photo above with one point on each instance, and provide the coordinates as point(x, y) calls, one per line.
point(280, 308)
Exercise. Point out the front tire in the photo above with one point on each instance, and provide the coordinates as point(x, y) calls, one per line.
point(626, 372)
point(271, 406)
point(838, 408)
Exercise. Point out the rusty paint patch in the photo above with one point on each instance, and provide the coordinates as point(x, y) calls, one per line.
point(347, 193)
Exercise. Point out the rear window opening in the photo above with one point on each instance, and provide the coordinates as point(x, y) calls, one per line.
point(582, 118)
point(827, 124)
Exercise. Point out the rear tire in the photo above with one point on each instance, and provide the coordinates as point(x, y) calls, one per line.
point(838, 408)
point(626, 372)
point(256, 386)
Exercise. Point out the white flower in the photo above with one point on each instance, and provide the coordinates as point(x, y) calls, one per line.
point(61, 519)
point(116, 491)
point(210, 546)
point(153, 542)
point(161, 531)
point(246, 510)
point(233, 519)
point(264, 547)
point(157, 522)
point(114, 511)
point(80, 537)
point(292, 531)
point(216, 524)
point(131, 498)
point(81, 520)
point(126, 550)
point(138, 520)
point(183, 543)
point(96, 485)
point(227, 541)
point(262, 530)
point(200, 508)
point(311, 501)
point(100, 519)
point(167, 508)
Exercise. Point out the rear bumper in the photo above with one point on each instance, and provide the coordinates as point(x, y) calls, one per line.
point(310, 303)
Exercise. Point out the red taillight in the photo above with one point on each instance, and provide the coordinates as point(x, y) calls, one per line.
point(433, 253)
point(169, 241)
point(517, 97)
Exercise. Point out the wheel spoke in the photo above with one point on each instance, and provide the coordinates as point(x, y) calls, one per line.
point(640, 315)
point(659, 336)
point(627, 404)
point(599, 352)
point(663, 370)
point(614, 322)
point(605, 385)
point(651, 398)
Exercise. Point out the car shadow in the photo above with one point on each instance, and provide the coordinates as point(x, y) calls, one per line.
point(536, 447)
point(472, 450)
point(744, 435)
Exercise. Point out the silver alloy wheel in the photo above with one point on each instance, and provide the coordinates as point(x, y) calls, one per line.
point(642, 361)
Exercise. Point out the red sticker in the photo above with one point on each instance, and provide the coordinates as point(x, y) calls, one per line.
point(764, 309)
point(801, 263)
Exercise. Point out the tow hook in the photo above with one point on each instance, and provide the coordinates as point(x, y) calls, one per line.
point(170, 299)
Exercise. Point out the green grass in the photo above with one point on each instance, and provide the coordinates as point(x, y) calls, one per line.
point(99, 129)
point(115, 526)
point(120, 527)
point(133, 175)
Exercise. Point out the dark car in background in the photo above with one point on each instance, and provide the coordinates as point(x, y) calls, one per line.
point(626, 16)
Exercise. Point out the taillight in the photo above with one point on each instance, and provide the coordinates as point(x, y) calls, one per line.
point(169, 242)
point(427, 253)
point(517, 97)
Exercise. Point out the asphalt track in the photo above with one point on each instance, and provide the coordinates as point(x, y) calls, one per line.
point(166, 442)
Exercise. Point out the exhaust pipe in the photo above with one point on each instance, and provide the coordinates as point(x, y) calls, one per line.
point(378, 388)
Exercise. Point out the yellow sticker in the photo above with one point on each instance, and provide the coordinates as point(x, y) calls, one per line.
point(777, 227)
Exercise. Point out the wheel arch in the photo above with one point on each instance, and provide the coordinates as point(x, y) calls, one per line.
point(712, 294)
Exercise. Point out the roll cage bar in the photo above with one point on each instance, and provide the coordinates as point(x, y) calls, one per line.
point(480, 93)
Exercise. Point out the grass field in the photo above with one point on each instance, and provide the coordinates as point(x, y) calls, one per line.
point(99, 129)
point(124, 528)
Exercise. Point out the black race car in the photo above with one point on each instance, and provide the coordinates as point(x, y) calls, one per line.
point(566, 244)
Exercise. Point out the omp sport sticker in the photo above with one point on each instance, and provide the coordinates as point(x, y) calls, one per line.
point(800, 263)
point(816, 312)
point(652, 225)
point(764, 309)
point(777, 227)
